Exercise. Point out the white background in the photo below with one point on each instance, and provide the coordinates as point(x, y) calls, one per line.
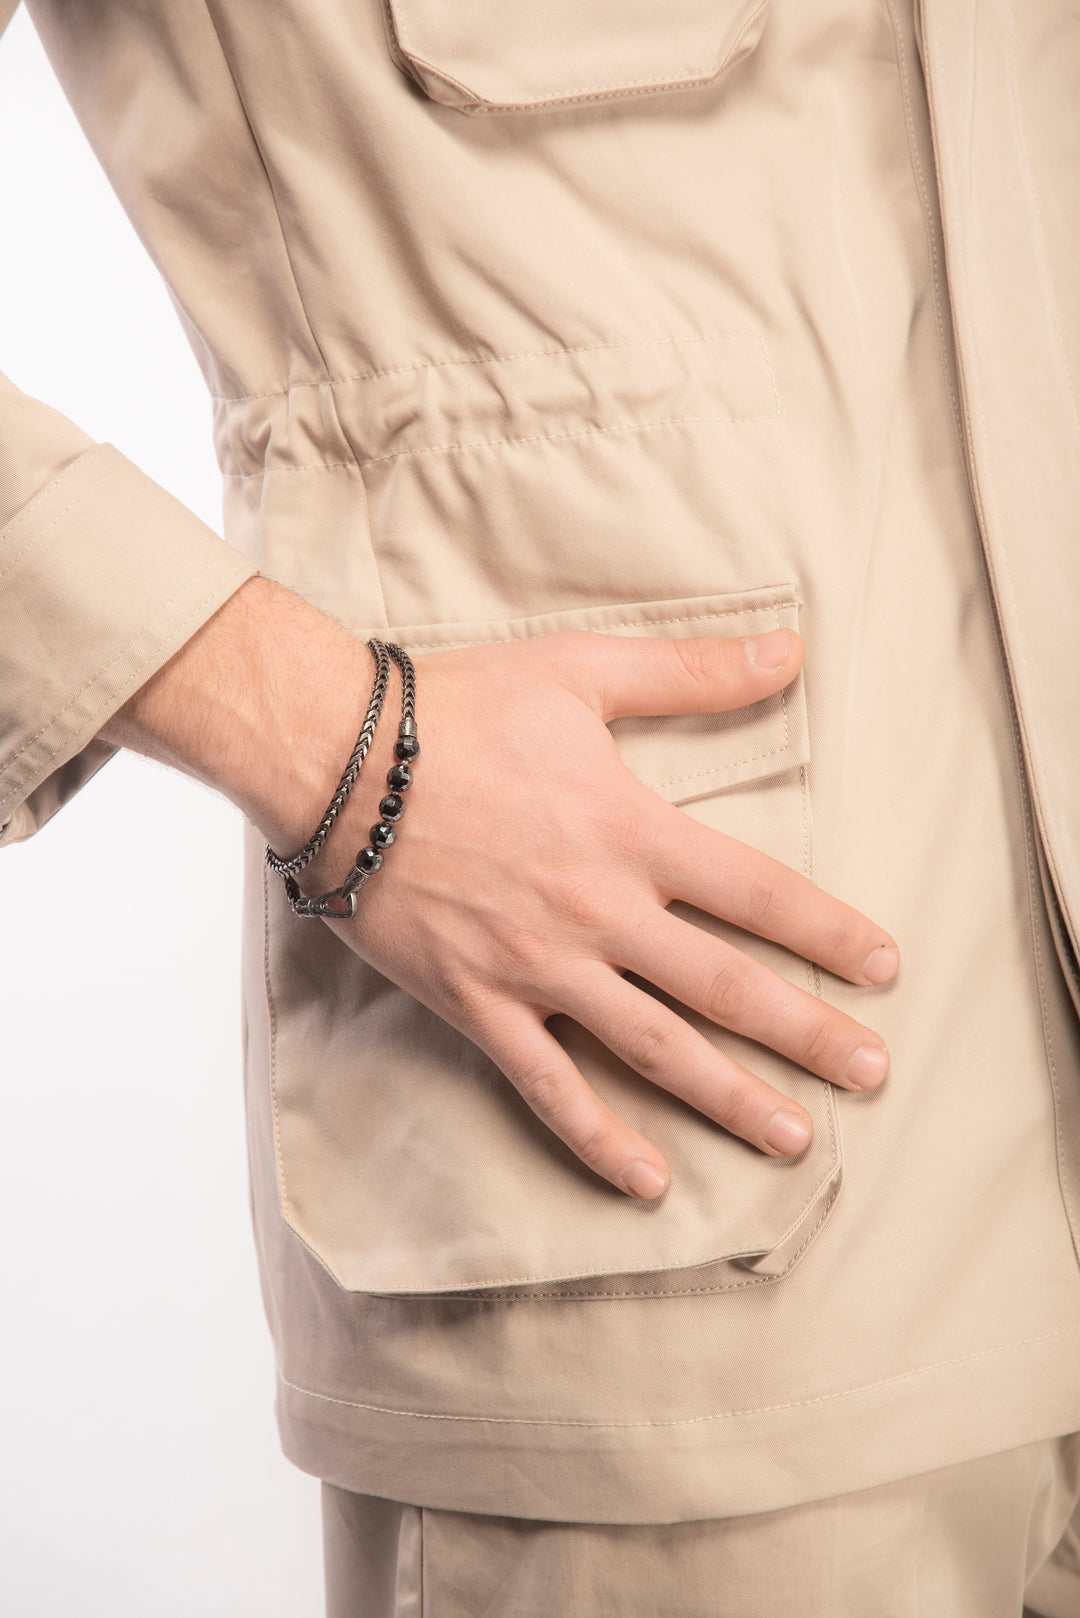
point(139, 1469)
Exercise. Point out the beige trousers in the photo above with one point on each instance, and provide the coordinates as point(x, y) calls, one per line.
point(991, 1538)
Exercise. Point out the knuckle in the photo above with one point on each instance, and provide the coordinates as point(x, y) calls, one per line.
point(561, 644)
point(817, 1046)
point(701, 659)
point(543, 1088)
point(581, 902)
point(630, 830)
point(552, 1097)
point(595, 1148)
point(466, 1002)
point(524, 955)
point(768, 902)
point(572, 653)
point(729, 993)
point(738, 1111)
point(651, 1046)
point(841, 940)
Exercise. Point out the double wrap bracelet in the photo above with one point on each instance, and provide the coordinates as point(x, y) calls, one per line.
point(340, 903)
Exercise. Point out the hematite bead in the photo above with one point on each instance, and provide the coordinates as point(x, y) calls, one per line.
point(368, 859)
point(382, 835)
point(399, 777)
point(392, 807)
point(406, 747)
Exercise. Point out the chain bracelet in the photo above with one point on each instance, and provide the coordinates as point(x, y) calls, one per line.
point(318, 837)
point(340, 903)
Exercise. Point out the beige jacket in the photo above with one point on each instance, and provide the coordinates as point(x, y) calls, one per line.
point(677, 320)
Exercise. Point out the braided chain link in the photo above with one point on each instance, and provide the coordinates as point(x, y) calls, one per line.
point(356, 758)
point(408, 689)
point(340, 903)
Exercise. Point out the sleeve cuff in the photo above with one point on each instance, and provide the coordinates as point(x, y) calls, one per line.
point(103, 576)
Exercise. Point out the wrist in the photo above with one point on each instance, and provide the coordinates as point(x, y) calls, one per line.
point(263, 704)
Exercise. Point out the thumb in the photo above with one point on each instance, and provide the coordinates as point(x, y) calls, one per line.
point(625, 674)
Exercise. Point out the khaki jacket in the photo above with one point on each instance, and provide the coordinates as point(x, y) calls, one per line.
point(673, 321)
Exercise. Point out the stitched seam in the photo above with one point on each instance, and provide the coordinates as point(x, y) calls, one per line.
point(96, 452)
point(816, 985)
point(574, 1296)
point(42, 494)
point(283, 1189)
point(754, 758)
point(734, 764)
point(588, 92)
point(830, 1177)
point(497, 443)
point(76, 500)
point(489, 359)
point(548, 438)
point(939, 293)
point(772, 377)
point(315, 466)
point(626, 623)
point(609, 92)
point(423, 1560)
point(150, 658)
point(487, 1294)
point(691, 1421)
point(477, 1291)
point(485, 108)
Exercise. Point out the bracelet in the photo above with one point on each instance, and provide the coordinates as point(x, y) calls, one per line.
point(352, 769)
point(340, 903)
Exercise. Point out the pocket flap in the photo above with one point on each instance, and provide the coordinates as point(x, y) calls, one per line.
point(498, 56)
point(681, 756)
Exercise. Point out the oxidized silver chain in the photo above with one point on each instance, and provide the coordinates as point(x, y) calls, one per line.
point(318, 837)
point(340, 903)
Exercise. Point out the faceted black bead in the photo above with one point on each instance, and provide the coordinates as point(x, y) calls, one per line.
point(392, 807)
point(382, 835)
point(399, 777)
point(368, 859)
point(406, 747)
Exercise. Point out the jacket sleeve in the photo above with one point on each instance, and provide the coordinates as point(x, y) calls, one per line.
point(103, 576)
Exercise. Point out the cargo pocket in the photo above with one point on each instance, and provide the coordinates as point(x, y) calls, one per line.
point(407, 1163)
point(493, 56)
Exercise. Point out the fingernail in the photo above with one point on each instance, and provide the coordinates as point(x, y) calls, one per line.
point(643, 1180)
point(787, 1134)
point(769, 651)
point(881, 964)
point(867, 1067)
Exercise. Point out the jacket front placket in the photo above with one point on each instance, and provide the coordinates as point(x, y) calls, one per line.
point(1000, 121)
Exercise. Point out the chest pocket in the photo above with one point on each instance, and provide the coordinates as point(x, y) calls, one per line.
point(492, 56)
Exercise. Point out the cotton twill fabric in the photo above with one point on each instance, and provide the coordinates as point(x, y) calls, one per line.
point(983, 1539)
point(103, 576)
point(677, 335)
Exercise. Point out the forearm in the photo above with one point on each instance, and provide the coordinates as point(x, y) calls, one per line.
point(263, 704)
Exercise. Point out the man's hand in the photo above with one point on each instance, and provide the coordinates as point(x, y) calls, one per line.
point(532, 869)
